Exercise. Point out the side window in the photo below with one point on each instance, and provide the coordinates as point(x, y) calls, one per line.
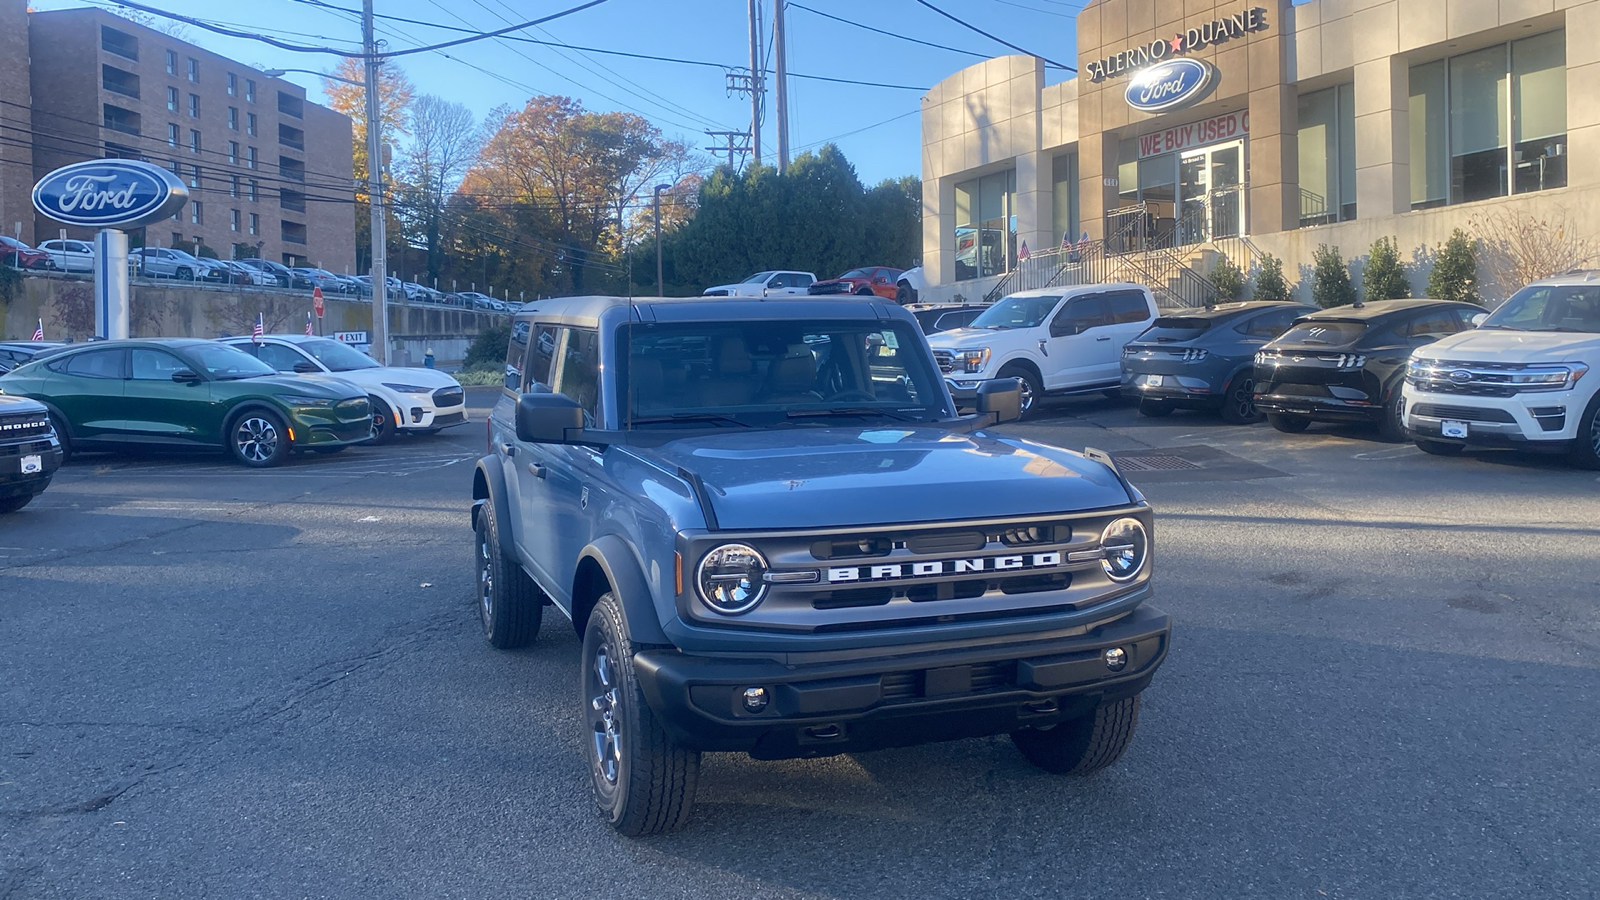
point(1434, 324)
point(1080, 315)
point(279, 357)
point(579, 374)
point(1126, 307)
point(96, 364)
point(155, 365)
point(1268, 325)
point(517, 355)
point(541, 355)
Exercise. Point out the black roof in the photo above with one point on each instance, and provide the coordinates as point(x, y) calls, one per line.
point(1229, 310)
point(1378, 309)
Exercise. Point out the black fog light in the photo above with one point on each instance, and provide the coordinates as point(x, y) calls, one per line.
point(755, 699)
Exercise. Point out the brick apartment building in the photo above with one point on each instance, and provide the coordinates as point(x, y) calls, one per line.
point(268, 171)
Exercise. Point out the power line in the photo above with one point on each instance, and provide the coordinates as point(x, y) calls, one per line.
point(1048, 12)
point(818, 12)
point(991, 37)
point(858, 130)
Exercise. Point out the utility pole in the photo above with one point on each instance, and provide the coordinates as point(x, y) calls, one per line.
point(380, 264)
point(755, 81)
point(660, 291)
point(782, 65)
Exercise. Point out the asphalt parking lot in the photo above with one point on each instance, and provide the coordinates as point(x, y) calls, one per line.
point(219, 682)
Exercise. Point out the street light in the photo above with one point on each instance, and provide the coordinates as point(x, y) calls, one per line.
point(660, 291)
point(279, 73)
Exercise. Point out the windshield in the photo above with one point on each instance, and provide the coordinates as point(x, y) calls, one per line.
point(1017, 312)
point(757, 278)
point(1566, 307)
point(717, 374)
point(1324, 331)
point(855, 273)
point(338, 357)
point(1168, 329)
point(224, 363)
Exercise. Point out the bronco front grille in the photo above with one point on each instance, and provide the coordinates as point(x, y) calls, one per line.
point(25, 425)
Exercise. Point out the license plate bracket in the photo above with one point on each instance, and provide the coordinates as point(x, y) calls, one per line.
point(1451, 428)
point(32, 465)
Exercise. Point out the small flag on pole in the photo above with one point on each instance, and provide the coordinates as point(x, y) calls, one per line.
point(1066, 240)
point(308, 324)
point(1022, 253)
point(256, 330)
point(38, 333)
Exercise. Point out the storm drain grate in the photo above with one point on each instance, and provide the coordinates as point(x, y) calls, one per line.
point(1155, 463)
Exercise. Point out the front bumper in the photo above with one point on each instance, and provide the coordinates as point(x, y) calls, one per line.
point(1321, 408)
point(13, 481)
point(1544, 419)
point(867, 702)
point(319, 428)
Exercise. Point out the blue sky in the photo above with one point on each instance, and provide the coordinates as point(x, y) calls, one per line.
point(681, 100)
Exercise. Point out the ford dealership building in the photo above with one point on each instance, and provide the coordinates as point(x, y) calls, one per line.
point(1243, 127)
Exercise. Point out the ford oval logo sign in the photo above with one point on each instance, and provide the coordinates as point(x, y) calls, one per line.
point(109, 193)
point(1175, 83)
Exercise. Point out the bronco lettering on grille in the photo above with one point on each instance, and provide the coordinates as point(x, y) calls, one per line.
point(935, 568)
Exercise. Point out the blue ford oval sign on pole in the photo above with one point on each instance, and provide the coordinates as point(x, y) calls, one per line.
point(111, 195)
point(1175, 83)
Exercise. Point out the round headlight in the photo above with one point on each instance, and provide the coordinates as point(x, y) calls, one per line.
point(732, 578)
point(1125, 546)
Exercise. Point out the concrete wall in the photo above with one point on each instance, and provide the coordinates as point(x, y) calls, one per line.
point(159, 310)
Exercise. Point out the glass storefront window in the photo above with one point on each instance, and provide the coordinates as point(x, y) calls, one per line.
point(966, 231)
point(1327, 156)
point(1065, 179)
point(1490, 123)
point(986, 225)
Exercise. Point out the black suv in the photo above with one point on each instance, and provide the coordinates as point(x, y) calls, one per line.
point(29, 451)
point(775, 536)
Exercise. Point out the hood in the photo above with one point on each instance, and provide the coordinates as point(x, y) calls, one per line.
point(1500, 346)
point(314, 385)
point(968, 338)
point(824, 477)
point(421, 377)
point(12, 404)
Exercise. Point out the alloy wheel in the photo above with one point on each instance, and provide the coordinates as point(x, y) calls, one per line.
point(256, 438)
point(605, 716)
point(485, 578)
point(1594, 433)
point(1026, 396)
point(1244, 399)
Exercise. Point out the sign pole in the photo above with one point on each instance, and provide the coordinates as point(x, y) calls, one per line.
point(111, 284)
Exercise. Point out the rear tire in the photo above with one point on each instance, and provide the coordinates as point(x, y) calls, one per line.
point(510, 605)
point(1084, 745)
point(184, 274)
point(643, 782)
point(1440, 448)
point(258, 438)
point(1032, 391)
point(1288, 424)
point(1155, 409)
point(1585, 453)
point(1392, 428)
point(1239, 404)
point(904, 294)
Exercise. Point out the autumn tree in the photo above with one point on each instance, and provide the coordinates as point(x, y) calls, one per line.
point(395, 95)
point(444, 143)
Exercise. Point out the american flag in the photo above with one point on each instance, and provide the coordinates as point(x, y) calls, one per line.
point(256, 330)
point(38, 333)
point(1066, 241)
point(1022, 253)
point(308, 324)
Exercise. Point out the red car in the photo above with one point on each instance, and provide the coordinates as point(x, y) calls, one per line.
point(879, 280)
point(19, 255)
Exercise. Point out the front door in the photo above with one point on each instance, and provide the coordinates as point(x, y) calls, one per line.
point(1211, 193)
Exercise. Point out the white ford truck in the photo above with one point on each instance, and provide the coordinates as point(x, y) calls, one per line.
point(1528, 376)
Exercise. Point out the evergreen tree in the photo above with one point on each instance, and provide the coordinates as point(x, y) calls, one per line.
point(1455, 270)
point(1384, 279)
point(1227, 279)
point(1330, 284)
point(1269, 280)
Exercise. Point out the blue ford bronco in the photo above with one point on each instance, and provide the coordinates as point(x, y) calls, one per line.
point(775, 535)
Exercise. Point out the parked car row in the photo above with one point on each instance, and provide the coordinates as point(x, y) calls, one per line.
point(899, 285)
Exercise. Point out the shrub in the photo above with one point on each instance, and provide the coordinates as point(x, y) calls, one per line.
point(10, 281)
point(1330, 281)
point(1269, 280)
point(1384, 279)
point(1518, 249)
point(1455, 270)
point(488, 348)
point(1227, 279)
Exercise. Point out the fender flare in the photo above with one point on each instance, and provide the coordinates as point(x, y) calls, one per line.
point(620, 566)
point(489, 486)
point(1227, 383)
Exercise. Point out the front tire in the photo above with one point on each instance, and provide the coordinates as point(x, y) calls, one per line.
point(1155, 409)
point(1032, 391)
point(184, 274)
point(643, 782)
point(258, 439)
point(1288, 424)
point(1585, 453)
point(904, 294)
point(383, 421)
point(12, 504)
point(510, 605)
point(1084, 745)
point(1239, 406)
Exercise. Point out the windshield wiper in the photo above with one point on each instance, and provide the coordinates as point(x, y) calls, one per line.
point(687, 417)
point(853, 411)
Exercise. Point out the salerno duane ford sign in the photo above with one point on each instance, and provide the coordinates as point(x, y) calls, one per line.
point(1218, 32)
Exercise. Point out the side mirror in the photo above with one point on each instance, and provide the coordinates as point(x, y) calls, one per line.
point(1002, 397)
point(185, 376)
point(306, 367)
point(1479, 319)
point(548, 419)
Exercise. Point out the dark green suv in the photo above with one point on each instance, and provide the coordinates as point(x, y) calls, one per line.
point(190, 393)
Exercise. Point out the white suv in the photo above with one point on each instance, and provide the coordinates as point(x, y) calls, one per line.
point(1523, 378)
point(1064, 339)
point(766, 284)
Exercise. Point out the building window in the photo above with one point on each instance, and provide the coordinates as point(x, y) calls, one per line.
point(194, 177)
point(233, 220)
point(233, 186)
point(250, 124)
point(255, 224)
point(194, 69)
point(1328, 156)
point(194, 141)
point(172, 63)
point(194, 106)
point(172, 99)
point(985, 228)
point(124, 120)
point(119, 82)
point(233, 152)
point(197, 212)
point(172, 134)
point(294, 232)
point(1490, 123)
point(233, 90)
point(121, 43)
point(251, 159)
point(233, 118)
point(249, 90)
point(255, 194)
point(290, 105)
point(177, 236)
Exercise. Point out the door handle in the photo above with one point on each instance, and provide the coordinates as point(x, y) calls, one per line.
point(508, 449)
point(537, 470)
point(1106, 338)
